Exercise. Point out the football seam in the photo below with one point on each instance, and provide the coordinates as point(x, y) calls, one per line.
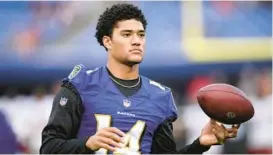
point(227, 92)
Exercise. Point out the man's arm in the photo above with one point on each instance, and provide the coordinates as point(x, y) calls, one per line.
point(164, 143)
point(59, 135)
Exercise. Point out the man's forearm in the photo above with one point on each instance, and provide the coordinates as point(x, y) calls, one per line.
point(194, 148)
point(59, 146)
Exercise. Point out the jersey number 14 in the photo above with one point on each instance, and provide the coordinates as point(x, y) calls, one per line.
point(132, 138)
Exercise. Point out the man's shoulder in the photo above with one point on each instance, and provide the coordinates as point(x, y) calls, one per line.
point(162, 96)
point(155, 86)
point(80, 71)
point(81, 75)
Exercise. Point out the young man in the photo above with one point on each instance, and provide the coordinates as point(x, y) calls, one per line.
point(113, 109)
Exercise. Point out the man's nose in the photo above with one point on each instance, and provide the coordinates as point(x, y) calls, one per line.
point(136, 40)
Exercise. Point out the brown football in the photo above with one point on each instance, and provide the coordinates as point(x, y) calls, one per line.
point(225, 103)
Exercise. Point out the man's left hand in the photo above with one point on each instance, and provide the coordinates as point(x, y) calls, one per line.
point(215, 133)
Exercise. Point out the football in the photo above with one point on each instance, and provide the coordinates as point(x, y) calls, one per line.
point(225, 103)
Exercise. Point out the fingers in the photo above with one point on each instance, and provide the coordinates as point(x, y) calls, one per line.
point(236, 126)
point(106, 146)
point(116, 130)
point(220, 126)
point(110, 142)
point(217, 124)
point(220, 132)
point(96, 142)
point(223, 133)
point(108, 138)
point(212, 121)
point(232, 132)
point(231, 135)
point(220, 135)
point(111, 135)
point(233, 129)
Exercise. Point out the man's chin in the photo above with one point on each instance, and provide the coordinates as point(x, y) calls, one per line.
point(135, 62)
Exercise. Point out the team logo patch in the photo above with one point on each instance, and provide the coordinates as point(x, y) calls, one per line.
point(126, 103)
point(231, 115)
point(63, 101)
point(75, 71)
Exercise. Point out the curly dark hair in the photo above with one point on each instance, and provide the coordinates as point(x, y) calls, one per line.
point(114, 14)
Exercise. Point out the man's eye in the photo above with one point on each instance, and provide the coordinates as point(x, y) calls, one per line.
point(126, 35)
point(142, 35)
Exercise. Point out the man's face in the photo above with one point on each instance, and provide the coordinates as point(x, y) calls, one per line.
point(127, 42)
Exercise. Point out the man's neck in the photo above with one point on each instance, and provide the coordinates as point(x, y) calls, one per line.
point(123, 71)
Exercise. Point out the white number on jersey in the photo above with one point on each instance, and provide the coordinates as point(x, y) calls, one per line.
point(132, 138)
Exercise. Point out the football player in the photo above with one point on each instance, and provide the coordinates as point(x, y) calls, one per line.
point(113, 109)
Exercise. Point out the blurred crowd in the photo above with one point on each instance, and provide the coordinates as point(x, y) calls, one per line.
point(48, 23)
point(25, 115)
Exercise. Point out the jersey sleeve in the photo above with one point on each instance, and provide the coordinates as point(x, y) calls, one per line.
point(77, 76)
point(59, 135)
point(164, 142)
point(172, 113)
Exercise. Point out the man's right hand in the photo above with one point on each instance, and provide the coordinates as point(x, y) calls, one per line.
point(109, 138)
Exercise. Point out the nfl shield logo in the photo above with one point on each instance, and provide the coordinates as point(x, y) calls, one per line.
point(126, 103)
point(63, 101)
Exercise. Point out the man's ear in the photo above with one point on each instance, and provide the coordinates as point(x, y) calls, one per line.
point(107, 42)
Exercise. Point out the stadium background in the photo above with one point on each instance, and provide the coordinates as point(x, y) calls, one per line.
point(189, 44)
